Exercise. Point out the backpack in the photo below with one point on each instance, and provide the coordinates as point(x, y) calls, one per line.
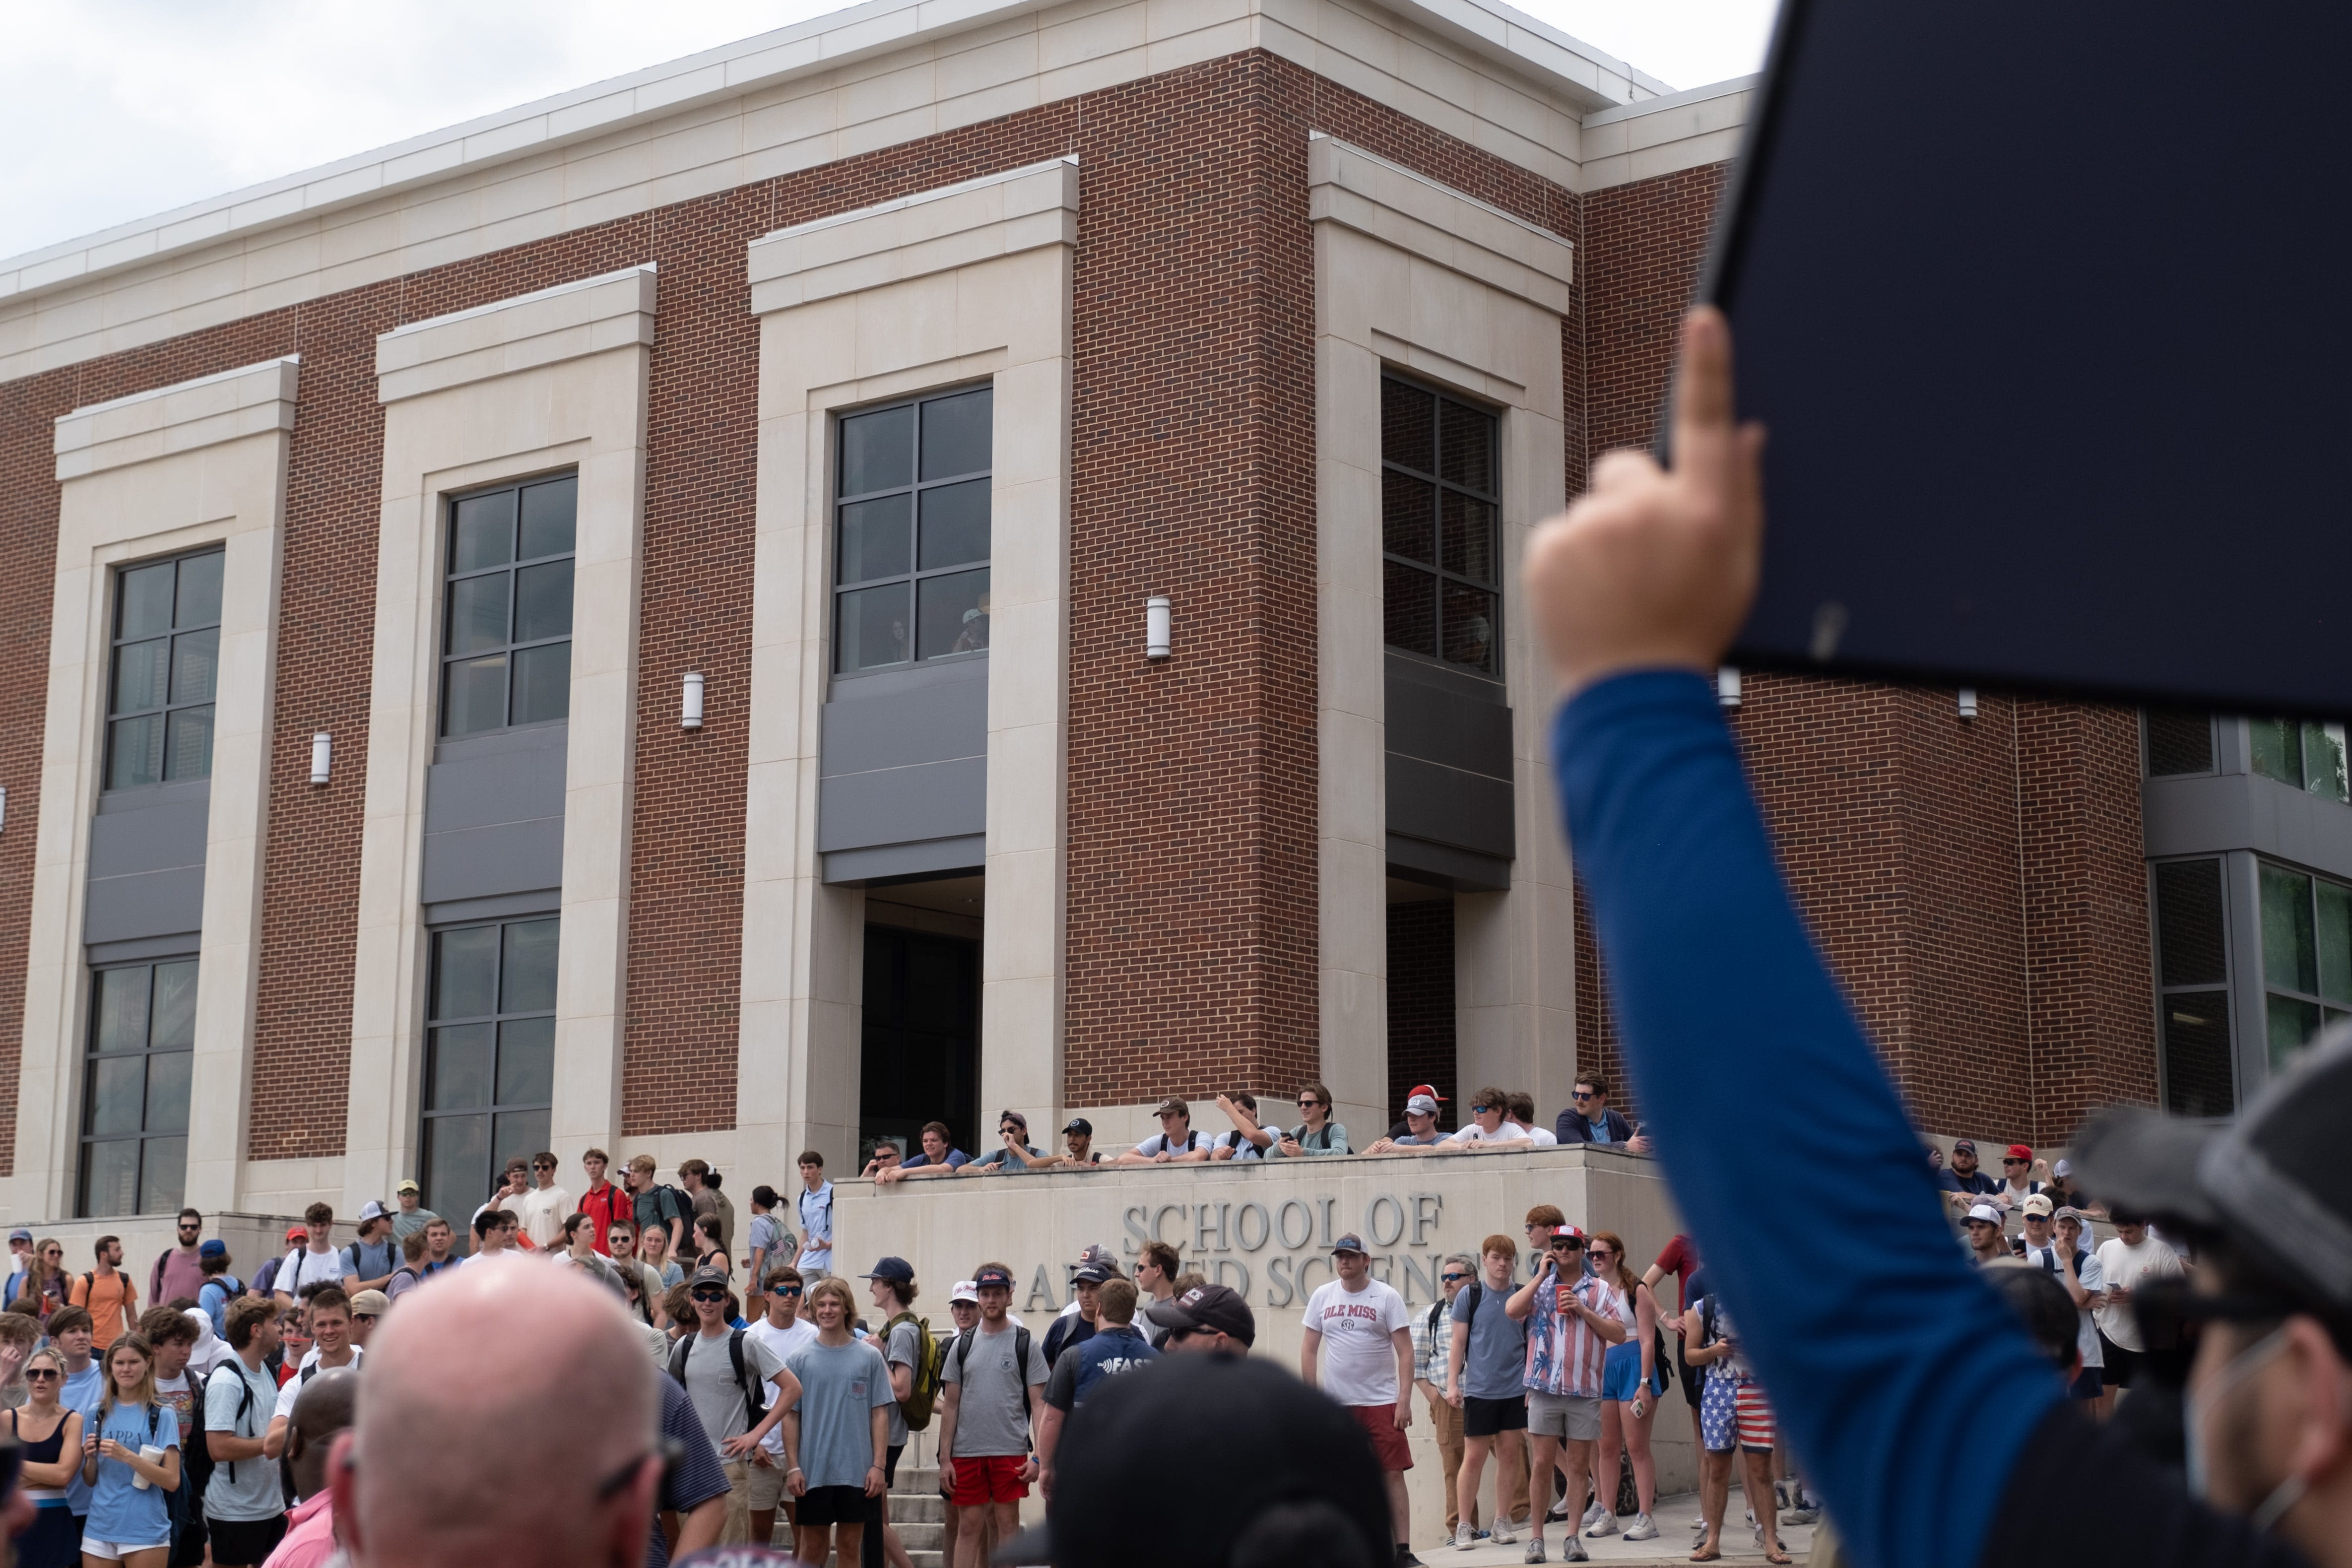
point(244, 1404)
point(755, 1389)
point(929, 1371)
point(1020, 1358)
point(1319, 1140)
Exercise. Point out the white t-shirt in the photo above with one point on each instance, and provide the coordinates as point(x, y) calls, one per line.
point(1358, 1362)
point(291, 1390)
point(2131, 1267)
point(543, 1211)
point(2094, 1280)
point(783, 1342)
point(1508, 1132)
point(1194, 1138)
point(1539, 1136)
point(303, 1267)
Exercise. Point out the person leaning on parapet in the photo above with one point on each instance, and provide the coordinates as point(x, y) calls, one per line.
point(1488, 1130)
point(1427, 1091)
point(1519, 1111)
point(1589, 1119)
point(1318, 1133)
point(1724, 1001)
point(1017, 1153)
point(1422, 1135)
point(939, 1157)
point(1176, 1143)
point(1248, 1140)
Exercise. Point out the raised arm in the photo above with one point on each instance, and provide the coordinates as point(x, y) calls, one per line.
point(1723, 1002)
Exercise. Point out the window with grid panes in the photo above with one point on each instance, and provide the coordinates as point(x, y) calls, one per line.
point(1440, 537)
point(490, 1064)
point(2306, 958)
point(165, 664)
point(506, 631)
point(2178, 742)
point(2192, 957)
point(2302, 753)
point(911, 532)
point(134, 1119)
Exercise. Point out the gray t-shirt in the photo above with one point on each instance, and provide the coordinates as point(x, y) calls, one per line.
point(710, 1384)
point(841, 1386)
point(1494, 1361)
point(993, 1411)
point(255, 1491)
point(906, 1342)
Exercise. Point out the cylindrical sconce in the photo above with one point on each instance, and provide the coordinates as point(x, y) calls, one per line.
point(323, 757)
point(1727, 686)
point(4, 808)
point(1968, 701)
point(1155, 626)
point(689, 712)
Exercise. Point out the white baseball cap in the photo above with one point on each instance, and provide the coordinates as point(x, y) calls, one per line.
point(1987, 1213)
point(965, 1291)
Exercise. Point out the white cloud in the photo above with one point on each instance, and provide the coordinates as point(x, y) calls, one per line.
point(120, 109)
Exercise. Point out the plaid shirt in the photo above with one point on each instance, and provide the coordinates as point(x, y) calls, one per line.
point(1564, 1355)
point(1430, 1347)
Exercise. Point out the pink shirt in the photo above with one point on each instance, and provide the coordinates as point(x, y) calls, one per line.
point(309, 1536)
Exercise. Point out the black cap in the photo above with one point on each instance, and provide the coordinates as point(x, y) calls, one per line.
point(1295, 1482)
point(1206, 1307)
point(1081, 1125)
point(896, 1269)
point(991, 1275)
point(2274, 1182)
point(708, 1274)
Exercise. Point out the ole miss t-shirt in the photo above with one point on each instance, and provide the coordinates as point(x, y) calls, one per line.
point(1358, 1359)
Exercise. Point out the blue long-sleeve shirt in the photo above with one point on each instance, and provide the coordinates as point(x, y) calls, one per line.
point(1902, 1382)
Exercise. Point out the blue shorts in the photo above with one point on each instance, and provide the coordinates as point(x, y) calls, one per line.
point(1621, 1374)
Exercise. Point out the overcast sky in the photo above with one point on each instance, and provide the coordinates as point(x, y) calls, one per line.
point(119, 109)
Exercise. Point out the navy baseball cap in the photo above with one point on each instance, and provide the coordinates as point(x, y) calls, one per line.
point(1080, 1124)
point(987, 1277)
point(896, 1269)
point(213, 1248)
point(1350, 1242)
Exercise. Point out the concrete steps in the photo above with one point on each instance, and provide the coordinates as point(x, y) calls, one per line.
point(916, 1511)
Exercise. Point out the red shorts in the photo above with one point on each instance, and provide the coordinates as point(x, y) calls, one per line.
point(993, 1478)
point(1378, 1422)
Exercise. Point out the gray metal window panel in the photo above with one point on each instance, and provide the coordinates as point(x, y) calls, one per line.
point(147, 863)
point(504, 906)
point(896, 719)
point(494, 815)
point(901, 806)
point(1443, 866)
point(152, 903)
point(1447, 805)
point(1459, 720)
point(484, 862)
point(145, 949)
point(2217, 812)
point(902, 862)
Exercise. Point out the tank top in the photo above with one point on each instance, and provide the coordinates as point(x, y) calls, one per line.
point(44, 1452)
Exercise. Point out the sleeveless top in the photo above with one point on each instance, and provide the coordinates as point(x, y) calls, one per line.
point(44, 1452)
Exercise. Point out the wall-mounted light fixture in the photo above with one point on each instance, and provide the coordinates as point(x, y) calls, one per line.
point(1968, 701)
point(689, 710)
point(4, 808)
point(1156, 621)
point(1727, 686)
point(323, 757)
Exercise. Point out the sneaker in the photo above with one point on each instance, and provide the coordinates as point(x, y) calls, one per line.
point(1605, 1525)
point(1644, 1527)
point(1781, 1494)
point(1699, 1525)
point(1572, 1551)
point(1465, 1538)
point(1558, 1514)
point(1535, 1550)
point(1501, 1534)
point(1405, 1559)
point(1592, 1516)
point(1806, 1514)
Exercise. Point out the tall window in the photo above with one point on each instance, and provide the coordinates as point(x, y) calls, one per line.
point(2179, 742)
point(1439, 531)
point(166, 662)
point(910, 532)
point(2302, 753)
point(489, 1068)
point(134, 1119)
point(2306, 958)
point(2192, 981)
point(506, 636)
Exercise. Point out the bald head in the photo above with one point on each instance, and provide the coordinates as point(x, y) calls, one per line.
point(323, 1408)
point(500, 1361)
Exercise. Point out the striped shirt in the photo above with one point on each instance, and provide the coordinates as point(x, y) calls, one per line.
point(1564, 1355)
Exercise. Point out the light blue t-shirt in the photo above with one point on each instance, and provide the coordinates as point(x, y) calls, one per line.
point(1494, 1363)
point(120, 1511)
point(82, 1391)
point(1600, 1129)
point(241, 1490)
point(840, 1387)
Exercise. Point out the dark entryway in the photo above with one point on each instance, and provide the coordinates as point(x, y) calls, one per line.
point(1420, 997)
point(921, 1038)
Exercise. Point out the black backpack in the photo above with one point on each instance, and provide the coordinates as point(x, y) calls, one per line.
point(755, 1388)
point(1019, 1359)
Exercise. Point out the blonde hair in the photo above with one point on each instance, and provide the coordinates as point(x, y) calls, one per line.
point(831, 1286)
point(56, 1358)
point(136, 1343)
point(1626, 1280)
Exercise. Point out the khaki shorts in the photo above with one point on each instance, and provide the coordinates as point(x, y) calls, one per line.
point(763, 1485)
point(737, 1530)
point(1563, 1415)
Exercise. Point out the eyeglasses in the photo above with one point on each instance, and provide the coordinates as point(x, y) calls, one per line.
point(1308, 1102)
point(1599, 1254)
point(2007, 1161)
point(711, 1295)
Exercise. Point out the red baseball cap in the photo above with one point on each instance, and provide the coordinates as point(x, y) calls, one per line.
point(1427, 1089)
point(2020, 1152)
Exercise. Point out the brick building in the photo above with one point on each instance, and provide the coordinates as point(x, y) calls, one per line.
point(626, 622)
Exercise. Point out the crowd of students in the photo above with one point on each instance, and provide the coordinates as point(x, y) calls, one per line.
point(1497, 1121)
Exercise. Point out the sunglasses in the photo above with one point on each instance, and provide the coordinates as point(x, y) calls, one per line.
point(788, 1291)
point(42, 1372)
point(1455, 1279)
point(192, 1227)
point(1309, 1103)
point(1568, 1244)
point(1601, 1253)
point(709, 1295)
point(1482, 1109)
point(1584, 1094)
point(2007, 1161)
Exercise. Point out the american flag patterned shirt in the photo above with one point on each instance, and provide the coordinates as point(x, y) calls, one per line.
point(1564, 1355)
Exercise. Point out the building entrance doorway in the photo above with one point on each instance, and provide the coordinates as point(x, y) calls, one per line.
point(921, 1039)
